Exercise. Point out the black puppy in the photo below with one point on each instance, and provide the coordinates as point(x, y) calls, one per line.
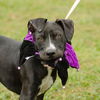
point(36, 75)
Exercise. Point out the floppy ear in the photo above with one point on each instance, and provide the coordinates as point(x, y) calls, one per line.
point(68, 27)
point(36, 24)
point(62, 68)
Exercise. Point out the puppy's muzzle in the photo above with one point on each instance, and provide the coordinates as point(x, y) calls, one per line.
point(50, 52)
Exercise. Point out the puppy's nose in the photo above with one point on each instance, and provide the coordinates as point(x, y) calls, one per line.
point(50, 53)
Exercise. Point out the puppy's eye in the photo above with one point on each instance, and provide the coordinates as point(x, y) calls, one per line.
point(40, 38)
point(58, 36)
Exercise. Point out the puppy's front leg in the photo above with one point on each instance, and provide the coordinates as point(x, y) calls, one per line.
point(29, 91)
point(30, 83)
point(40, 97)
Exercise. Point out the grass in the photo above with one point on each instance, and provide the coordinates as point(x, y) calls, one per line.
point(82, 85)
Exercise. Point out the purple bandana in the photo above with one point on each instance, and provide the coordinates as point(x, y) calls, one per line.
point(71, 57)
point(69, 53)
point(29, 37)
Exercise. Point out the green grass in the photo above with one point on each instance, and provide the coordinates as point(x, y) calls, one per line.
point(82, 85)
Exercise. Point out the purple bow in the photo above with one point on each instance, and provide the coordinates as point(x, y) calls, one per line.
point(71, 57)
point(29, 37)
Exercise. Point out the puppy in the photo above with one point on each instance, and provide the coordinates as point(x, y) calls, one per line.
point(38, 72)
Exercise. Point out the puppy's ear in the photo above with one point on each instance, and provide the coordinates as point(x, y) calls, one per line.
point(62, 68)
point(36, 24)
point(68, 27)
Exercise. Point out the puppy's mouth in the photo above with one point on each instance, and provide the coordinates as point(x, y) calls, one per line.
point(50, 62)
point(51, 55)
point(50, 59)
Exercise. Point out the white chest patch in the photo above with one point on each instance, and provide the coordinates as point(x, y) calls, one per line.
point(46, 82)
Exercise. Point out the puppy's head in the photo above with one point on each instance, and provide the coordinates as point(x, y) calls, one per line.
point(51, 37)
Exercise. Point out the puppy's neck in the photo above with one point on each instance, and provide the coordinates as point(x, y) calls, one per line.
point(46, 65)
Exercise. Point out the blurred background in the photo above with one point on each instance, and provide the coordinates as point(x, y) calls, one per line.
point(82, 85)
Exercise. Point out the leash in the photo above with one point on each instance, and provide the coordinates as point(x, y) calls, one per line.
point(72, 8)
